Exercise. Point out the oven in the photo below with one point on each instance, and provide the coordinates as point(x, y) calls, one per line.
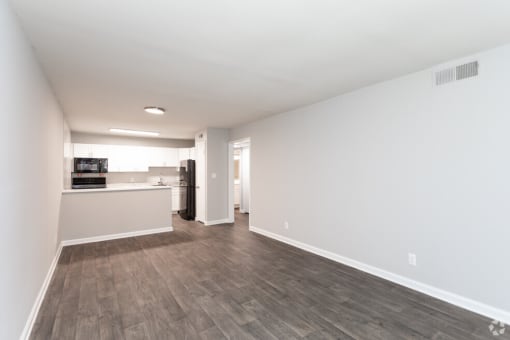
point(85, 182)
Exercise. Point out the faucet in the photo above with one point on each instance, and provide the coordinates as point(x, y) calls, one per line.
point(160, 180)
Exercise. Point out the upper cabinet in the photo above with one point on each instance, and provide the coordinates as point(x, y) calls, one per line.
point(162, 156)
point(128, 158)
point(92, 150)
point(83, 151)
point(186, 153)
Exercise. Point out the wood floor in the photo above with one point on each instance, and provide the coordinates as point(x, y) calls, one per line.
point(226, 282)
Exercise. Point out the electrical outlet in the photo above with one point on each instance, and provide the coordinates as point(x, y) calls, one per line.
point(411, 259)
point(286, 225)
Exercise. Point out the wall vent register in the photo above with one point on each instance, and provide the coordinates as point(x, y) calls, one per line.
point(456, 73)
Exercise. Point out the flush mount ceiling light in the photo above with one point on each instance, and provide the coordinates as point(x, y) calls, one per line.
point(135, 132)
point(154, 110)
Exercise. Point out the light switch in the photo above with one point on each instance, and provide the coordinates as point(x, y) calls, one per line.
point(213, 175)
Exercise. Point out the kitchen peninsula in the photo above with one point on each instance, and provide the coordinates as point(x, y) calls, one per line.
point(120, 210)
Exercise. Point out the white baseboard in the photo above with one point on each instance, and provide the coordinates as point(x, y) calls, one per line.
point(115, 236)
point(225, 220)
point(460, 301)
point(40, 297)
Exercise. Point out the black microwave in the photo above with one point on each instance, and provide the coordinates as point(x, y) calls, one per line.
point(91, 165)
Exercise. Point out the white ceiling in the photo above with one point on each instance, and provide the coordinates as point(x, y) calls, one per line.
point(226, 62)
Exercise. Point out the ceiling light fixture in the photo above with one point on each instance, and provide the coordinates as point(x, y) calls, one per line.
point(135, 132)
point(154, 110)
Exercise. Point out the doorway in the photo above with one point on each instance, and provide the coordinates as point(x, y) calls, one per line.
point(239, 180)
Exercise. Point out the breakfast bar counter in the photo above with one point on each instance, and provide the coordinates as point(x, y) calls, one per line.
point(120, 210)
point(119, 187)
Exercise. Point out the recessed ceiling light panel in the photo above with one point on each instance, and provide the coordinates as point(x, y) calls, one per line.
point(135, 132)
point(154, 110)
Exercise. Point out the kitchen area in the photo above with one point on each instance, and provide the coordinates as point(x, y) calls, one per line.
point(123, 187)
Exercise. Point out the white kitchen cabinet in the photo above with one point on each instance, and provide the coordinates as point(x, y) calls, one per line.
point(176, 204)
point(100, 150)
point(122, 158)
point(171, 157)
point(186, 153)
point(91, 150)
point(129, 158)
point(82, 150)
point(155, 156)
point(183, 154)
point(137, 159)
point(115, 158)
point(126, 158)
point(162, 157)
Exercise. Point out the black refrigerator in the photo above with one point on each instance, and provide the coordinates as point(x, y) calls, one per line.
point(187, 190)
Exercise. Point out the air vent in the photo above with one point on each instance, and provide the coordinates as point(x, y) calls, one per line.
point(456, 73)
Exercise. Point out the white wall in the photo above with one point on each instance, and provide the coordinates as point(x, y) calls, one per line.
point(169, 174)
point(31, 145)
point(217, 163)
point(397, 167)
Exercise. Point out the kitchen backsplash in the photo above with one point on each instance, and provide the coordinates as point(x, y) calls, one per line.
point(170, 175)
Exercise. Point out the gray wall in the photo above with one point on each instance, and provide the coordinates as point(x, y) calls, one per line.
point(169, 174)
point(31, 145)
point(397, 167)
point(91, 138)
point(217, 162)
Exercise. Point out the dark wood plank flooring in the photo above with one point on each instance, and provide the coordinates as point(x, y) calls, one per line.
point(224, 282)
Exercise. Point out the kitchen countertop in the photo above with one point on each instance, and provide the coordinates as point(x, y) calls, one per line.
point(119, 187)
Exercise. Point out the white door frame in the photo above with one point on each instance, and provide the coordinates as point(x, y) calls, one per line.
point(231, 175)
point(204, 184)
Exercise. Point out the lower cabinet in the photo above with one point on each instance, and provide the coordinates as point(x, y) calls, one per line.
point(176, 205)
point(237, 194)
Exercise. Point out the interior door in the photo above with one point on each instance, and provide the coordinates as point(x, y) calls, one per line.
point(200, 181)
